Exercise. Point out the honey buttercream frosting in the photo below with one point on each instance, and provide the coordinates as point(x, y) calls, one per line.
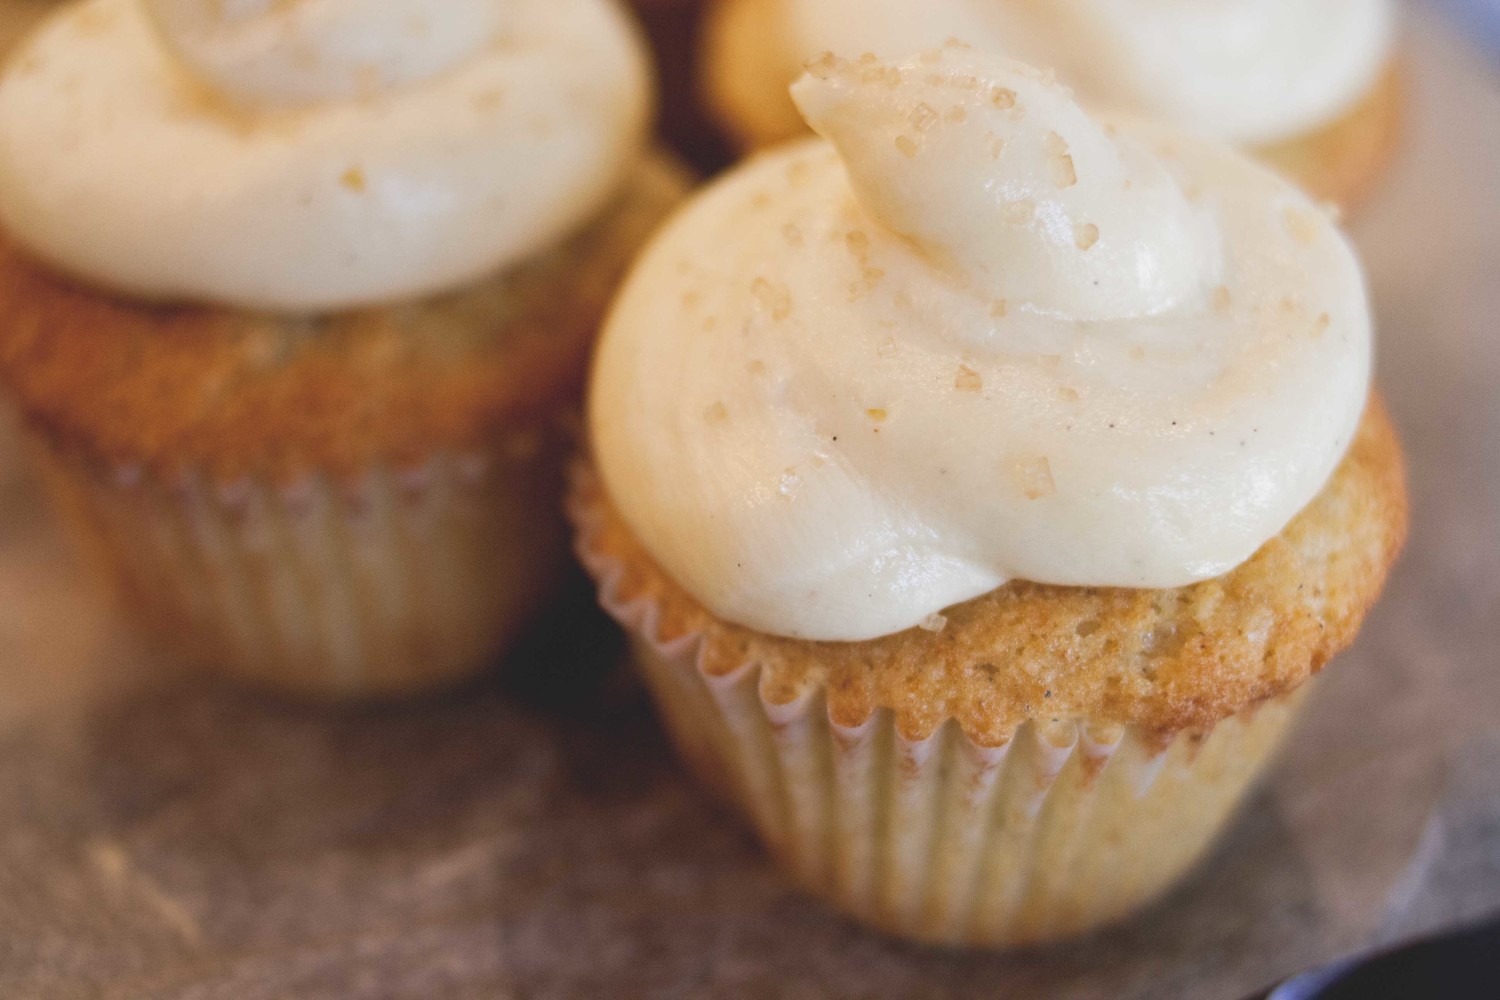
point(310, 155)
point(972, 336)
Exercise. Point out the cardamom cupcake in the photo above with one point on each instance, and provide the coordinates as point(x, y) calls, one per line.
point(981, 486)
point(296, 301)
point(1311, 88)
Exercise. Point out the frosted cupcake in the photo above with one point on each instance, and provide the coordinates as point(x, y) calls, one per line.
point(981, 488)
point(293, 296)
point(1308, 87)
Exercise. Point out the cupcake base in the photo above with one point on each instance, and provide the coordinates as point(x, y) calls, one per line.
point(400, 582)
point(1061, 830)
point(933, 785)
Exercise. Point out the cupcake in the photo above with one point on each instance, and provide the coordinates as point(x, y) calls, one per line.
point(1310, 88)
point(981, 486)
point(296, 300)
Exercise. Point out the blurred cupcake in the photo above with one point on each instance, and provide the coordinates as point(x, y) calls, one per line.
point(294, 298)
point(981, 488)
point(1309, 87)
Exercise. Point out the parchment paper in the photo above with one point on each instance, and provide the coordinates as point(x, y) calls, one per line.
point(166, 836)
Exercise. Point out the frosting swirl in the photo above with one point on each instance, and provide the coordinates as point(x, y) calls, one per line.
point(271, 52)
point(310, 155)
point(1027, 238)
point(1246, 71)
point(976, 337)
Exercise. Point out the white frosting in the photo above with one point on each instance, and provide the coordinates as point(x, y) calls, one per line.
point(273, 52)
point(1249, 71)
point(857, 382)
point(309, 155)
point(1059, 166)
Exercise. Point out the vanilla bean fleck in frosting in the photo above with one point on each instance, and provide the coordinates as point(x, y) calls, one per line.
point(307, 155)
point(973, 335)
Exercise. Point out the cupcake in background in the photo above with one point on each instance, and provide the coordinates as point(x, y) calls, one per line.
point(981, 487)
point(1310, 88)
point(296, 302)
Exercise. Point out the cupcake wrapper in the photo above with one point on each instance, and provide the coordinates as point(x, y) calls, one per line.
point(1066, 827)
point(400, 582)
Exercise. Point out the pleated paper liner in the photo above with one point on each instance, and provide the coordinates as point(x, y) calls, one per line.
point(401, 582)
point(1066, 827)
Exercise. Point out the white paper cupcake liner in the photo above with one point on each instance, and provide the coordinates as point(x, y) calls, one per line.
point(1066, 827)
point(401, 582)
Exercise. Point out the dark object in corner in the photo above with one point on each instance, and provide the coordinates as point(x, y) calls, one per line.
point(1463, 965)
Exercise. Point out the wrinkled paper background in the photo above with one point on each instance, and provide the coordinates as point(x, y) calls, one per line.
point(164, 836)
